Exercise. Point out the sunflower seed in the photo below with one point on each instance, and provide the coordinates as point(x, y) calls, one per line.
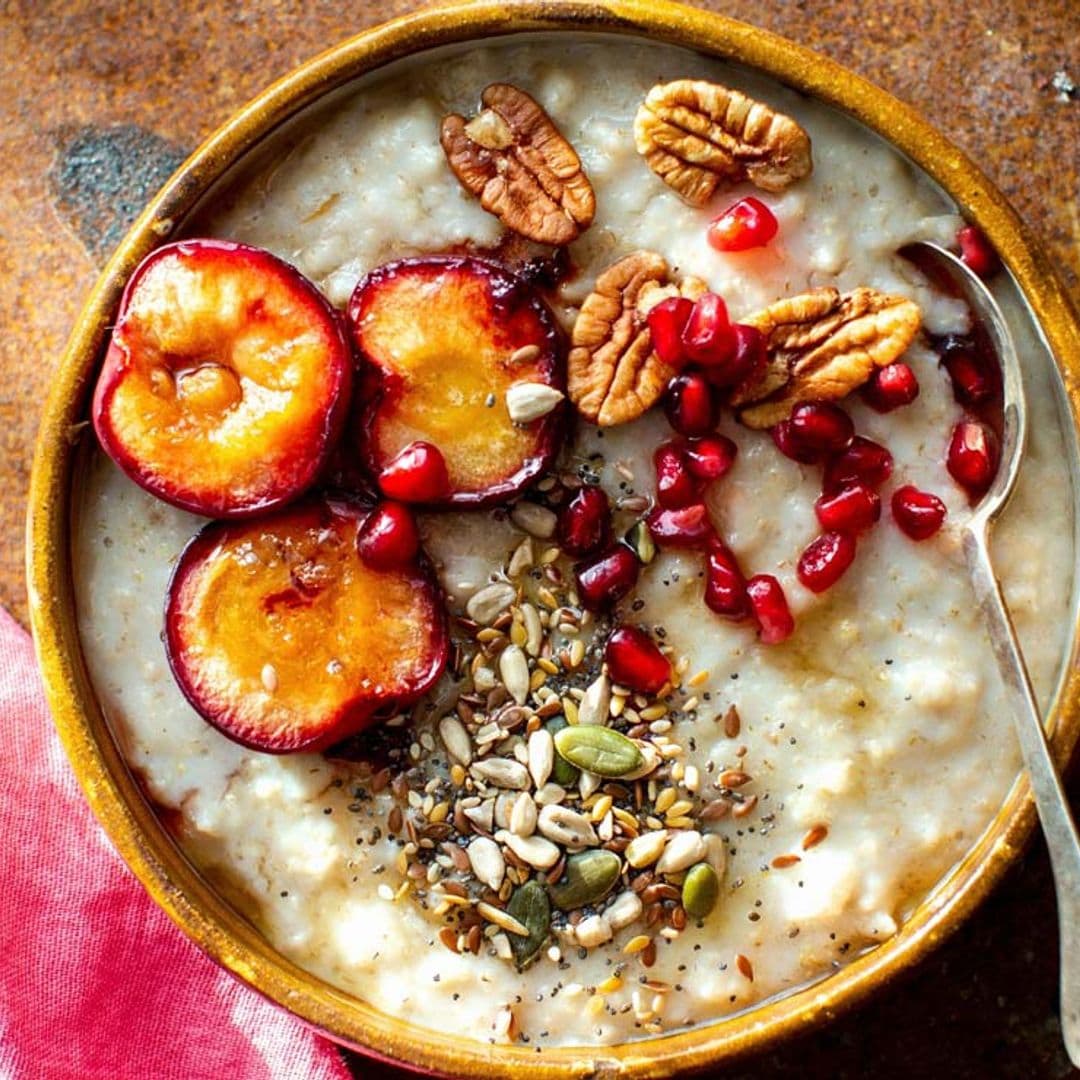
point(593, 931)
point(456, 739)
point(487, 862)
point(482, 816)
point(523, 815)
point(550, 794)
point(541, 756)
point(534, 519)
point(566, 827)
point(502, 772)
point(682, 850)
point(535, 850)
point(623, 910)
point(644, 850)
point(522, 558)
point(486, 604)
point(534, 632)
point(514, 669)
point(596, 703)
point(528, 401)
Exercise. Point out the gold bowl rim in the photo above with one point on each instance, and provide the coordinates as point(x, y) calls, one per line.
point(110, 788)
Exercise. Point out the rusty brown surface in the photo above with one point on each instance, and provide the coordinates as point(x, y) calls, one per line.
point(102, 98)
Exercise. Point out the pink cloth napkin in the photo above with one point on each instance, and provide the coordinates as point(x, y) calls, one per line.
point(95, 982)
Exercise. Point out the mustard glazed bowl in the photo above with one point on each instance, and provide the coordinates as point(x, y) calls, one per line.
point(114, 794)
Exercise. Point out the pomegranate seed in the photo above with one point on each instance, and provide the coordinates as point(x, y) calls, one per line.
point(388, 538)
point(976, 251)
point(584, 522)
point(918, 513)
point(851, 509)
point(415, 474)
point(667, 320)
point(749, 223)
point(690, 404)
point(825, 559)
point(689, 526)
point(710, 457)
point(972, 381)
point(863, 462)
point(750, 356)
point(890, 387)
point(675, 486)
point(605, 580)
point(708, 337)
point(822, 426)
point(972, 456)
point(789, 444)
point(635, 660)
point(725, 586)
point(770, 608)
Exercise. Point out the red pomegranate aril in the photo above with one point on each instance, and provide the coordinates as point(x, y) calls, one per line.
point(605, 580)
point(851, 509)
point(667, 320)
point(890, 387)
point(863, 462)
point(918, 513)
point(635, 660)
point(825, 559)
point(748, 359)
point(749, 223)
point(675, 486)
point(822, 426)
point(690, 404)
point(770, 607)
point(976, 251)
point(725, 586)
point(689, 526)
point(708, 337)
point(416, 474)
point(710, 457)
point(388, 538)
point(584, 523)
point(972, 456)
point(971, 381)
point(791, 446)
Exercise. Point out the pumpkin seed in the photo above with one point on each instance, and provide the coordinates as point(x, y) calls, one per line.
point(588, 877)
point(562, 772)
point(641, 540)
point(700, 890)
point(599, 750)
point(529, 904)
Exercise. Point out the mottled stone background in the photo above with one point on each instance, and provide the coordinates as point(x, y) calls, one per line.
point(102, 100)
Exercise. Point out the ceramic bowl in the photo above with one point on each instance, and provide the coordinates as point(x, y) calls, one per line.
point(115, 796)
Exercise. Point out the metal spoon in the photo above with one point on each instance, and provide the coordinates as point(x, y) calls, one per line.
point(1058, 826)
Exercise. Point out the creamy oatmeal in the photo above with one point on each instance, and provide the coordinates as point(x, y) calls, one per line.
point(876, 741)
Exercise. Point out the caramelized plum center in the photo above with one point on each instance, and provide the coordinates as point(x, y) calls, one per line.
point(448, 345)
point(289, 623)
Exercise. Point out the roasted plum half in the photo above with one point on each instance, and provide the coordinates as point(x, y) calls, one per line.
point(284, 638)
point(467, 359)
point(226, 380)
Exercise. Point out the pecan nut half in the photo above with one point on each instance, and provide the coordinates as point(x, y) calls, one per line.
point(613, 373)
point(514, 159)
point(821, 346)
point(696, 135)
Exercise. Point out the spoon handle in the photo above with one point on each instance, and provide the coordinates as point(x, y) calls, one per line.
point(1057, 823)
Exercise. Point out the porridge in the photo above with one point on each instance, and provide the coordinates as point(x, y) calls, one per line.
point(603, 820)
